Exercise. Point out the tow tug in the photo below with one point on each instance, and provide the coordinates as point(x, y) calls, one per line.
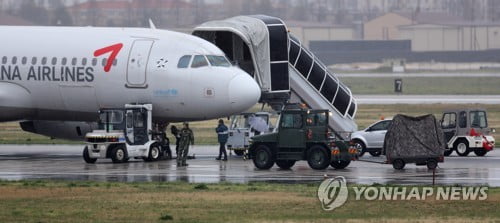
point(302, 134)
point(125, 133)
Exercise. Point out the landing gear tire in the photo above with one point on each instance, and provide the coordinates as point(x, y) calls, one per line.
point(462, 148)
point(154, 153)
point(375, 153)
point(264, 158)
point(239, 152)
point(448, 152)
point(118, 155)
point(398, 164)
point(340, 164)
point(86, 156)
point(480, 152)
point(318, 158)
point(360, 147)
point(432, 164)
point(285, 164)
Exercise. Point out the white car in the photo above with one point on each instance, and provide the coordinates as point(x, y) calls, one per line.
point(371, 139)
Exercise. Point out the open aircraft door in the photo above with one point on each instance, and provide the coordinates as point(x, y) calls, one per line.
point(138, 63)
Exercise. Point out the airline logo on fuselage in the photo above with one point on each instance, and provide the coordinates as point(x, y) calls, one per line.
point(58, 72)
point(114, 50)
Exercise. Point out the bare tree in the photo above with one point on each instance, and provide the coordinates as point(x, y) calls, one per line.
point(60, 15)
point(200, 11)
point(93, 12)
point(265, 7)
point(33, 12)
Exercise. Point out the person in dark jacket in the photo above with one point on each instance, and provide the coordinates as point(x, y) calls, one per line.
point(222, 132)
point(175, 132)
point(186, 137)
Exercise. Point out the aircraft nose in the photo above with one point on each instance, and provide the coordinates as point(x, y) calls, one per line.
point(244, 92)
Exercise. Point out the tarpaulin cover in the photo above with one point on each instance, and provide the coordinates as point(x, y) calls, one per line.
point(414, 137)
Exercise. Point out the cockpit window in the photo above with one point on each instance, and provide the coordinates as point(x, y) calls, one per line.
point(218, 61)
point(184, 61)
point(199, 61)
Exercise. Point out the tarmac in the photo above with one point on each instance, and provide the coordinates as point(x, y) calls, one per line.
point(64, 162)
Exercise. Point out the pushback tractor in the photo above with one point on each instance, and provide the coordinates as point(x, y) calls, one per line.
point(302, 134)
point(124, 133)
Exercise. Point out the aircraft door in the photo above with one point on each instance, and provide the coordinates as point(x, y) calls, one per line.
point(138, 62)
point(129, 128)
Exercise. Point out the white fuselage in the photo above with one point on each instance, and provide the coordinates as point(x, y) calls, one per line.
point(60, 73)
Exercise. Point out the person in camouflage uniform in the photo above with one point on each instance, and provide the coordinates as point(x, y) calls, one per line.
point(186, 137)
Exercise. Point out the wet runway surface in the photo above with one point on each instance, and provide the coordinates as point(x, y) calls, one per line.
point(64, 162)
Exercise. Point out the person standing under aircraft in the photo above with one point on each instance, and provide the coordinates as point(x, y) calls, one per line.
point(175, 132)
point(222, 138)
point(186, 137)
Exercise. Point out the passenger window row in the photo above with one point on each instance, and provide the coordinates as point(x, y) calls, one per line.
point(318, 76)
point(55, 61)
point(203, 61)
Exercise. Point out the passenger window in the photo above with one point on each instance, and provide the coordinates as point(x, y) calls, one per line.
point(33, 60)
point(292, 121)
point(24, 60)
point(130, 120)
point(462, 120)
point(218, 61)
point(84, 62)
point(4, 60)
point(318, 119)
point(64, 61)
point(54, 61)
point(138, 120)
point(14, 60)
point(478, 119)
point(381, 126)
point(199, 61)
point(44, 60)
point(104, 62)
point(115, 62)
point(184, 61)
point(74, 61)
point(94, 62)
point(449, 121)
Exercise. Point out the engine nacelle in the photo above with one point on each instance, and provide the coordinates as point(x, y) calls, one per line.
point(58, 129)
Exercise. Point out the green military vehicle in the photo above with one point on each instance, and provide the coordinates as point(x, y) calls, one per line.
point(302, 134)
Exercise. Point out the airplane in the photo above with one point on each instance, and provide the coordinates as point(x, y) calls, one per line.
point(55, 79)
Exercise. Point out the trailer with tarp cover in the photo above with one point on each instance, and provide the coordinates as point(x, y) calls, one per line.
point(417, 140)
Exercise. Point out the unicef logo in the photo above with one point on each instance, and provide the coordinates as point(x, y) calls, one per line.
point(332, 193)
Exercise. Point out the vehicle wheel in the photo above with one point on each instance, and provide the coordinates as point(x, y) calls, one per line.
point(239, 152)
point(480, 152)
point(86, 156)
point(360, 147)
point(448, 152)
point(375, 153)
point(340, 164)
point(118, 154)
point(318, 158)
point(264, 157)
point(462, 148)
point(154, 153)
point(432, 164)
point(398, 164)
point(285, 164)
